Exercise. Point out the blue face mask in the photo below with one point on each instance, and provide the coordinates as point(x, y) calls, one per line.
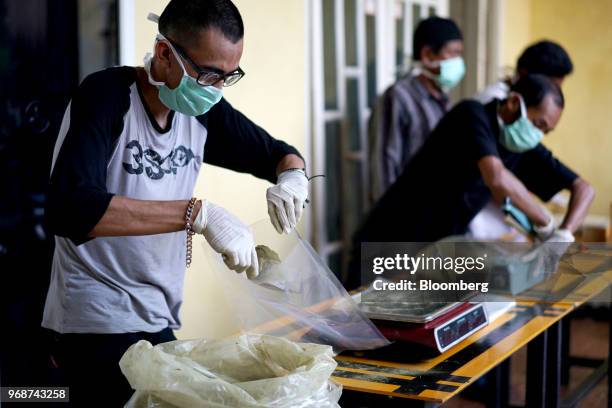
point(452, 71)
point(521, 135)
point(189, 97)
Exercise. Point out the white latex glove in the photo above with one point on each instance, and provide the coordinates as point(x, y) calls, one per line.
point(286, 200)
point(227, 235)
point(561, 235)
point(558, 242)
point(544, 232)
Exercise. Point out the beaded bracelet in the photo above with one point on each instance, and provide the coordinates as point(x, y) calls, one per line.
point(189, 230)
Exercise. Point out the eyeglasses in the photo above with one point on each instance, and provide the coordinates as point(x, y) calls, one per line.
point(207, 77)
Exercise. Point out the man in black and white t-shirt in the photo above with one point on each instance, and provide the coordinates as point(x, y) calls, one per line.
point(120, 202)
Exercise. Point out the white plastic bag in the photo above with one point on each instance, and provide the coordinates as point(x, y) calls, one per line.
point(243, 371)
point(295, 296)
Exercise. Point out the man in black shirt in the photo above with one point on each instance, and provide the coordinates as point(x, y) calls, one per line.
point(478, 152)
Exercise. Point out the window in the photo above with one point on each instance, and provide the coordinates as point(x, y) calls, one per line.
point(359, 48)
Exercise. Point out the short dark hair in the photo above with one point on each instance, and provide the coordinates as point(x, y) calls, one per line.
point(546, 58)
point(535, 87)
point(182, 19)
point(434, 32)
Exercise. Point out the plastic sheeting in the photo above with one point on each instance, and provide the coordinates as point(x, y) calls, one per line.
point(295, 296)
point(250, 371)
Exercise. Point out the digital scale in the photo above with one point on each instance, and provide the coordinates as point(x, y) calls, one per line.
point(441, 333)
point(436, 326)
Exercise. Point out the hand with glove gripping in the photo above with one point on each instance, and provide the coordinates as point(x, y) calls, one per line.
point(551, 233)
point(286, 200)
point(227, 235)
point(554, 240)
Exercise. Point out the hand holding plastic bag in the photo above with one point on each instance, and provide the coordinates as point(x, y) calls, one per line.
point(295, 296)
point(286, 200)
point(228, 236)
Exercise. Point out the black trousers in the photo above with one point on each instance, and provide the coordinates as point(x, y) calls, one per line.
point(89, 365)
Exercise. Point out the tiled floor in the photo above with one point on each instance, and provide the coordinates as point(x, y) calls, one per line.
point(589, 339)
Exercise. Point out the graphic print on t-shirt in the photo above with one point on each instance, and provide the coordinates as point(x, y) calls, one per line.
point(129, 284)
point(153, 164)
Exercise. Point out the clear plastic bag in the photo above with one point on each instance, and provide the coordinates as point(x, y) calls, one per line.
point(295, 296)
point(250, 371)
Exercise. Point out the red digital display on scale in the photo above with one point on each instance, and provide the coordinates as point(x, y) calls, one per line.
point(458, 329)
point(441, 333)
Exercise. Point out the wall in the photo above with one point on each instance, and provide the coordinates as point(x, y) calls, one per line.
point(583, 138)
point(273, 94)
point(95, 51)
point(516, 16)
